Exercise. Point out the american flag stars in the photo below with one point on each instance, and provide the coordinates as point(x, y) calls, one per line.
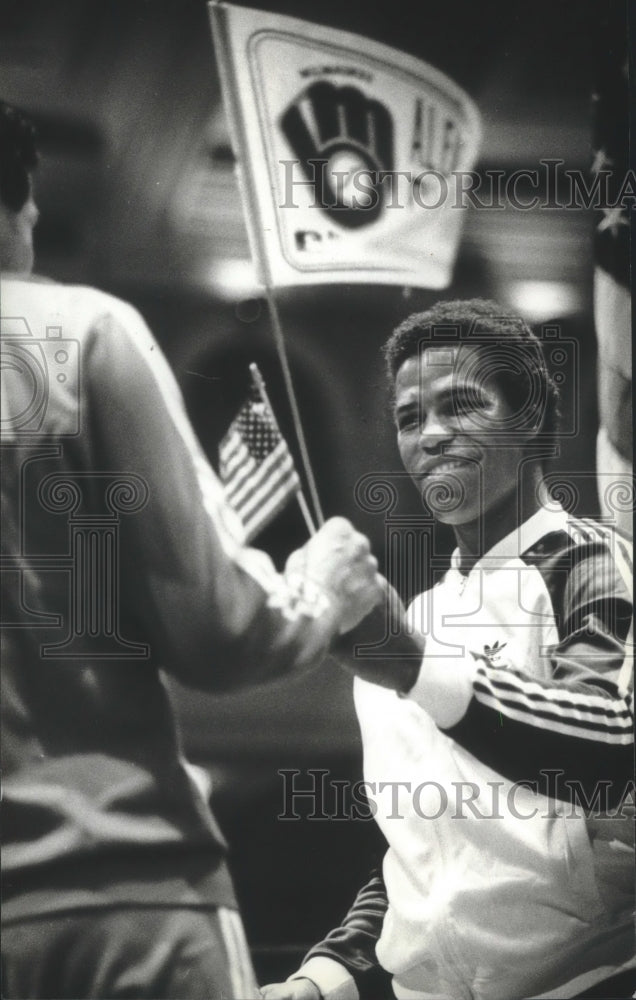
point(256, 467)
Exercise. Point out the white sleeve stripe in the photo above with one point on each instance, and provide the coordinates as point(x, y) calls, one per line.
point(607, 721)
point(553, 725)
point(564, 701)
point(590, 722)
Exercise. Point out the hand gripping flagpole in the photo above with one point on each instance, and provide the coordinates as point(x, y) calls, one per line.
point(259, 382)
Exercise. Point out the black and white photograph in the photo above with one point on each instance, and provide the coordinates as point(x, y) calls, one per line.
point(317, 500)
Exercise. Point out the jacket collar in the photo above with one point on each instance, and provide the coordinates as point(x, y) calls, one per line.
point(520, 539)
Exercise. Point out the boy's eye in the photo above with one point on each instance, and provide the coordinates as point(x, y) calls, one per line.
point(453, 405)
point(463, 402)
point(408, 421)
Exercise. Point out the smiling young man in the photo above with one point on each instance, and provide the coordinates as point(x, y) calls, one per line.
point(500, 773)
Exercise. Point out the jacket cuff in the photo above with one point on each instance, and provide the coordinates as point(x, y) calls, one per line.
point(444, 688)
point(331, 978)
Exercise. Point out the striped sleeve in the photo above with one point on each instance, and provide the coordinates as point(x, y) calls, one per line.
point(578, 723)
point(352, 944)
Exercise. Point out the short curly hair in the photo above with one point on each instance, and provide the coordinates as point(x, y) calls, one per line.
point(517, 363)
point(18, 157)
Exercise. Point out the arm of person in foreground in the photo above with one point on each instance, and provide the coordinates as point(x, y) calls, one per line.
point(214, 611)
point(343, 966)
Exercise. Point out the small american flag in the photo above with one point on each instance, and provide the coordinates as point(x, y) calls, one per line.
point(256, 466)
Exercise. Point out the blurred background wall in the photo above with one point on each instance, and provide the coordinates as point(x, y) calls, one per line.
point(138, 197)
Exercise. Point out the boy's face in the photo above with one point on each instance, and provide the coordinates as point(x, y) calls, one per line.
point(456, 433)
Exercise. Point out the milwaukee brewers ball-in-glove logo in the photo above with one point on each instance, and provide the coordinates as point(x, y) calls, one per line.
point(343, 140)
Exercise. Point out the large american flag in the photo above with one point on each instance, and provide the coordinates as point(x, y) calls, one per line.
point(256, 466)
point(612, 301)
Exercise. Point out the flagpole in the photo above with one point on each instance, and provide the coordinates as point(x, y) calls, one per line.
point(291, 395)
point(259, 382)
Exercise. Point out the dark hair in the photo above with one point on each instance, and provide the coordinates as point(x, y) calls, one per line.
point(516, 361)
point(18, 157)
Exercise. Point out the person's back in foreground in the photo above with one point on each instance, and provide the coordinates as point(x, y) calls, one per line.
point(121, 560)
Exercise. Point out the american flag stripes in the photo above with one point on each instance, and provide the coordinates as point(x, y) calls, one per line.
point(612, 301)
point(256, 466)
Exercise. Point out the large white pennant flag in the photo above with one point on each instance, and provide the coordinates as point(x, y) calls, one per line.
point(350, 153)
